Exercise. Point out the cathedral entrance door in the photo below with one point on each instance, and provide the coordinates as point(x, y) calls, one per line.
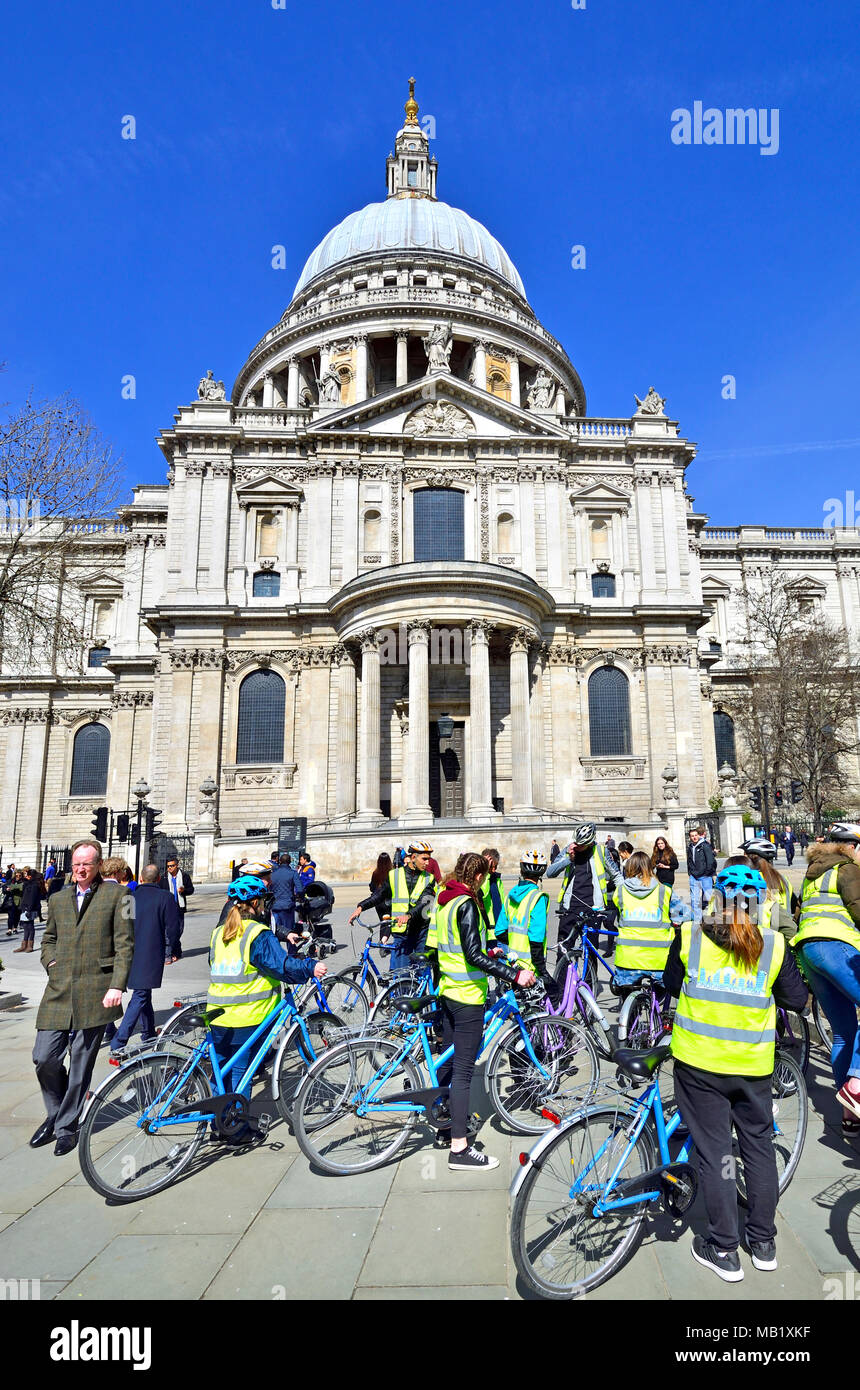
point(447, 759)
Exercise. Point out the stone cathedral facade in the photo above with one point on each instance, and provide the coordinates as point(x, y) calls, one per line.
point(398, 574)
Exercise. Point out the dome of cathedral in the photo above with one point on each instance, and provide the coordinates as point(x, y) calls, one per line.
point(410, 224)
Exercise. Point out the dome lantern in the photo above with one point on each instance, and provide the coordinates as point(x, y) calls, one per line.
point(410, 171)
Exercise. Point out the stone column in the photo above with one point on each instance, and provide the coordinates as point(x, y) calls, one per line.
point(402, 373)
point(645, 524)
point(218, 490)
point(28, 831)
point(417, 810)
point(268, 392)
point(528, 550)
point(536, 724)
point(521, 747)
point(371, 714)
point(670, 530)
point(325, 358)
point(121, 747)
point(361, 367)
point(292, 383)
point(480, 749)
point(192, 493)
point(480, 364)
point(12, 767)
point(515, 381)
point(182, 663)
point(313, 732)
point(582, 592)
point(345, 794)
point(558, 566)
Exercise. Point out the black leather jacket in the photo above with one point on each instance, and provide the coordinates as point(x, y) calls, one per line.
point(470, 940)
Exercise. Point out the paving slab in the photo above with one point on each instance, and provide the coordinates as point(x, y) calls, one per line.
point(157, 1267)
point(303, 1187)
point(27, 1177)
point(825, 1217)
point(14, 1137)
point(439, 1239)
point(458, 1293)
point(60, 1236)
point(426, 1170)
point(796, 1277)
point(293, 1254)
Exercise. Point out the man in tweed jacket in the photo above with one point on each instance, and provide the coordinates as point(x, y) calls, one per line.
point(87, 949)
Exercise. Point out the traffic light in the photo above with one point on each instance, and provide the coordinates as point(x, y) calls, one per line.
point(777, 796)
point(100, 822)
point(796, 791)
point(134, 833)
point(122, 823)
point(755, 798)
point(153, 819)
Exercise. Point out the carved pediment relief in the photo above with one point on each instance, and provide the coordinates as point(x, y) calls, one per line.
point(267, 489)
point(439, 418)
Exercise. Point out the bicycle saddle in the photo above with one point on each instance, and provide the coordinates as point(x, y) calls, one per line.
point(641, 1064)
point(415, 1004)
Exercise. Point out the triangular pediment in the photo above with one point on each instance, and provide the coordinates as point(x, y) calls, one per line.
point(807, 586)
point(267, 488)
point(438, 407)
point(606, 494)
point(100, 582)
point(712, 585)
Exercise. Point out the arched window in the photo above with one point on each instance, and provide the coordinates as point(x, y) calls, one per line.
point(266, 584)
point(98, 656)
point(603, 586)
point(90, 754)
point(609, 713)
point(505, 533)
point(724, 737)
point(372, 530)
point(262, 698)
point(437, 524)
point(599, 540)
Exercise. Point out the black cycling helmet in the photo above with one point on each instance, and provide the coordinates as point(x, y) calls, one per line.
point(761, 845)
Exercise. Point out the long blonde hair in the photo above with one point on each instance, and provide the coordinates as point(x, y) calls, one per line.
point(234, 920)
point(638, 866)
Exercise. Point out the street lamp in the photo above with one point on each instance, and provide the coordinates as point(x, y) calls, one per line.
point(141, 790)
point(445, 725)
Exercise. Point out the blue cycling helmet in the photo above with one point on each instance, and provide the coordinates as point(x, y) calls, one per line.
point(741, 881)
point(244, 889)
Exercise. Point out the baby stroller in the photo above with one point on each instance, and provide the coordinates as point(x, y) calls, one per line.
point(312, 911)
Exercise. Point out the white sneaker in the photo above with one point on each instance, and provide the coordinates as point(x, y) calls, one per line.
point(469, 1160)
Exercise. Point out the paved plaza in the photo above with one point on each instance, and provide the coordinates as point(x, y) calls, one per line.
point(257, 1223)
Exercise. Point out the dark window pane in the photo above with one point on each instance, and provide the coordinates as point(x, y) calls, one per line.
point(724, 736)
point(261, 718)
point(437, 524)
point(98, 656)
point(609, 713)
point(603, 585)
point(90, 755)
point(266, 584)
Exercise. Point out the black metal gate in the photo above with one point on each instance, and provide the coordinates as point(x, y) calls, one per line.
point(61, 855)
point(164, 847)
point(711, 825)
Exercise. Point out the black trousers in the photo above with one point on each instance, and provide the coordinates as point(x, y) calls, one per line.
point(710, 1105)
point(462, 1025)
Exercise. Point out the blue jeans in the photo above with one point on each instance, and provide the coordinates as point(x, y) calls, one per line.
point(139, 1009)
point(700, 892)
point(833, 971)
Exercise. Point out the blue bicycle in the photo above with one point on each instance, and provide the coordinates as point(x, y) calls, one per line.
point(143, 1125)
point(581, 1196)
point(360, 1102)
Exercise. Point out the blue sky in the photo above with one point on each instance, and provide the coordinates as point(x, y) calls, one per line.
point(259, 126)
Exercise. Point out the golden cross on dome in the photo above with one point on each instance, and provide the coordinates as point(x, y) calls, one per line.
point(411, 107)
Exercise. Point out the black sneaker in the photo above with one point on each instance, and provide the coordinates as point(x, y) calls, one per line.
point(725, 1263)
point(763, 1253)
point(471, 1160)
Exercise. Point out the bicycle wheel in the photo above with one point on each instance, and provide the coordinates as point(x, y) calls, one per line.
point(790, 1117)
point(519, 1090)
point(346, 998)
point(561, 1250)
point(387, 1009)
point(181, 1028)
point(120, 1157)
point(636, 1023)
point(326, 1122)
point(792, 1036)
point(295, 1057)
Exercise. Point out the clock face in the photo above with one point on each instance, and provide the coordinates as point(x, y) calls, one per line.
point(412, 145)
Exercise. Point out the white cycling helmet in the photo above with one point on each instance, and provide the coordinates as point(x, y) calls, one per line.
point(764, 848)
point(585, 834)
point(844, 832)
point(533, 862)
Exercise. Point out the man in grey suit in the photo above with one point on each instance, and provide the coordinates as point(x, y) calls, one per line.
point(87, 948)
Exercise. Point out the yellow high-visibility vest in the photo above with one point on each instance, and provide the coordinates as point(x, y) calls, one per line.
point(235, 986)
point(458, 980)
point(823, 913)
point(645, 932)
point(726, 1017)
point(402, 901)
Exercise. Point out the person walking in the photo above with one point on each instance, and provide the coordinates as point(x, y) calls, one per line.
point(611, 852)
point(177, 882)
point(459, 935)
point(789, 844)
point(246, 965)
point(408, 897)
point(51, 870)
point(156, 938)
point(554, 851)
point(287, 888)
point(828, 949)
point(701, 866)
point(56, 883)
point(33, 894)
point(588, 881)
point(238, 869)
point(12, 899)
point(729, 977)
point(664, 861)
point(307, 869)
point(87, 949)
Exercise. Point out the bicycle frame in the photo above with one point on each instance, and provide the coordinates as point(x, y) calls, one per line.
point(649, 1104)
point(574, 987)
point(505, 1009)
